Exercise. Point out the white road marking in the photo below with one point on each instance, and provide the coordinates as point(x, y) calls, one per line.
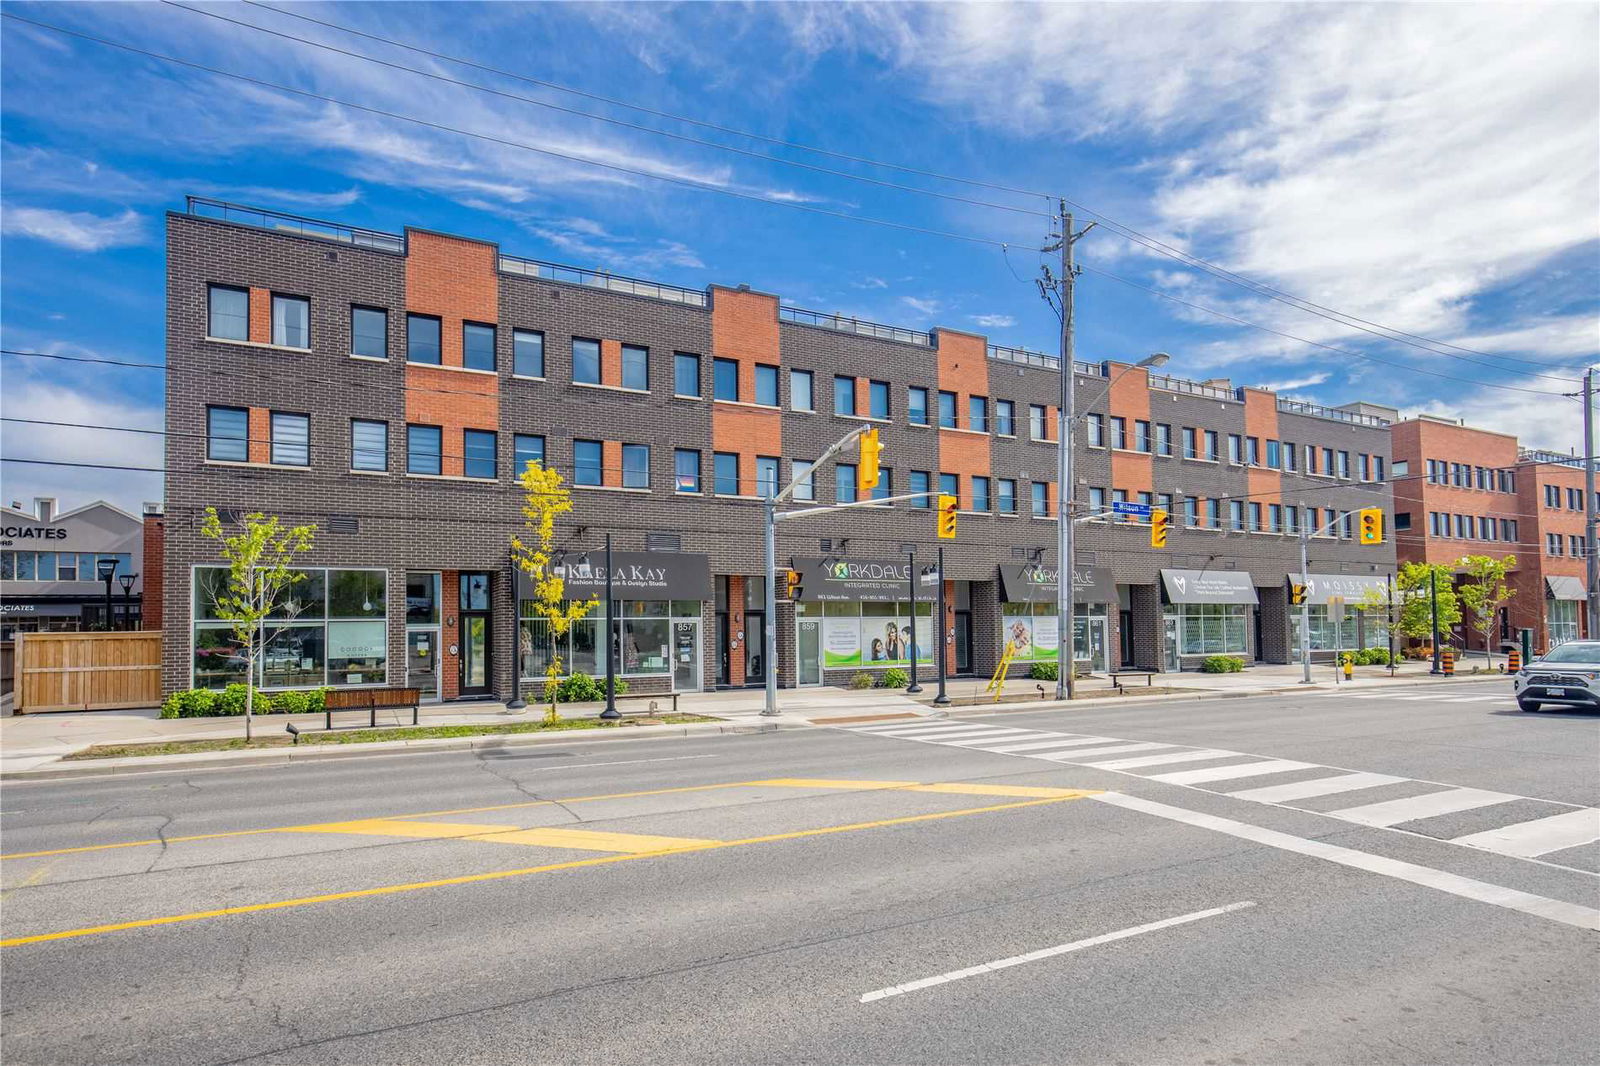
point(960, 743)
point(1453, 884)
point(1393, 812)
point(1009, 748)
point(1225, 773)
point(1321, 786)
point(1079, 753)
point(1526, 840)
point(920, 727)
point(1163, 759)
point(956, 731)
point(1052, 952)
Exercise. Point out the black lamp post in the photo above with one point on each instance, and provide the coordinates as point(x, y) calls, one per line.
point(127, 580)
point(941, 700)
point(912, 577)
point(611, 711)
point(105, 570)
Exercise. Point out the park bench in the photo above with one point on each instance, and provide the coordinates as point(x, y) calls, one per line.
point(1118, 675)
point(372, 700)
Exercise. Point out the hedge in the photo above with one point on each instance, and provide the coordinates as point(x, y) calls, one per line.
point(209, 703)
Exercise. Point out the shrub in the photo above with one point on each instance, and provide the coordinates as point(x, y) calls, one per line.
point(1221, 664)
point(895, 678)
point(190, 703)
point(862, 679)
point(1044, 672)
point(1372, 657)
point(292, 702)
point(231, 702)
point(581, 688)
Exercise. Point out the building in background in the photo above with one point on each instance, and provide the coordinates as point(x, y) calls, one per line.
point(1553, 570)
point(389, 386)
point(48, 561)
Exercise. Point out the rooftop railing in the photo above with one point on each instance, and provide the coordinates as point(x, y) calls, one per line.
point(1301, 407)
point(1025, 357)
point(846, 324)
point(1539, 455)
point(1191, 388)
point(599, 279)
point(221, 210)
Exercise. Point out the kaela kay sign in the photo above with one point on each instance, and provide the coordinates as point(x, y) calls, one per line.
point(634, 576)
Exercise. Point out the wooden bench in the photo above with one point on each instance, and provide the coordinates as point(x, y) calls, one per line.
point(1118, 675)
point(372, 700)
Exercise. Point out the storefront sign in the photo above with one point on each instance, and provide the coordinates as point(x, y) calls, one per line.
point(1038, 583)
point(841, 580)
point(1357, 590)
point(33, 533)
point(46, 610)
point(1208, 586)
point(1565, 588)
point(635, 576)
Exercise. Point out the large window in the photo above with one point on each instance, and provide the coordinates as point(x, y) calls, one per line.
point(587, 462)
point(920, 480)
point(800, 391)
point(878, 399)
point(291, 439)
point(1034, 632)
point(59, 566)
point(686, 470)
point(369, 332)
point(1561, 619)
point(686, 374)
point(291, 321)
point(369, 445)
point(636, 367)
point(766, 384)
point(635, 466)
point(725, 379)
point(1326, 635)
point(527, 353)
point(585, 361)
point(227, 313)
point(917, 406)
point(643, 632)
point(766, 476)
point(228, 434)
point(1211, 628)
point(947, 410)
point(422, 339)
point(423, 447)
point(1005, 418)
point(875, 634)
point(478, 449)
point(330, 628)
point(725, 473)
point(527, 448)
point(844, 395)
point(477, 346)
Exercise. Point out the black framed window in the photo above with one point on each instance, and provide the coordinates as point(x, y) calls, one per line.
point(1005, 418)
point(1040, 495)
point(228, 434)
point(919, 483)
point(527, 448)
point(917, 406)
point(878, 399)
point(635, 466)
point(227, 312)
point(636, 367)
point(844, 395)
point(725, 379)
point(766, 384)
point(369, 445)
point(725, 473)
point(585, 361)
point(422, 339)
point(477, 346)
point(978, 413)
point(766, 476)
point(686, 470)
point(291, 321)
point(686, 375)
point(980, 493)
point(369, 332)
point(423, 447)
point(291, 439)
point(801, 396)
point(947, 410)
point(1006, 496)
point(527, 353)
point(844, 483)
point(588, 462)
point(478, 451)
point(803, 475)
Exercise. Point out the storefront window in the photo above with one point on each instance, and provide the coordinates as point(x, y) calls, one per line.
point(1325, 635)
point(644, 628)
point(218, 657)
point(422, 599)
point(1561, 619)
point(1211, 628)
point(356, 593)
point(357, 652)
point(294, 656)
point(873, 633)
point(1034, 631)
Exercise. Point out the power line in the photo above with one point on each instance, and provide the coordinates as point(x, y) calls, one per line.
point(1128, 233)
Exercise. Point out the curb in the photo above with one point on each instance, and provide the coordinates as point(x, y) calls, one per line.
point(282, 756)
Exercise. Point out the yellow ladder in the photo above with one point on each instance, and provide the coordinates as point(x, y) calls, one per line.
point(997, 683)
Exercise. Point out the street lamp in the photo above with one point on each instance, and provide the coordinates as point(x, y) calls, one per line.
point(105, 570)
point(1066, 497)
point(127, 580)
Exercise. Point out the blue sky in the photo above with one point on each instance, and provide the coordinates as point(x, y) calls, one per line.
point(1431, 168)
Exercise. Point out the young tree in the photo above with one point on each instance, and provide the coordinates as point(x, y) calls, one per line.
point(260, 562)
point(544, 499)
point(1485, 591)
point(1415, 593)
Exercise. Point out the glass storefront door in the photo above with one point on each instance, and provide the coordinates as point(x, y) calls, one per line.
point(476, 649)
point(1169, 641)
point(422, 662)
point(686, 656)
point(755, 663)
point(809, 642)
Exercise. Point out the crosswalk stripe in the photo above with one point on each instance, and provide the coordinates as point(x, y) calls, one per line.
point(1164, 759)
point(953, 731)
point(1011, 747)
point(920, 727)
point(967, 742)
point(1480, 699)
point(1082, 753)
point(1320, 786)
point(1526, 840)
point(889, 727)
point(1393, 812)
point(1224, 773)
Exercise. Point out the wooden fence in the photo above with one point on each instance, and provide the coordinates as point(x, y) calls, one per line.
point(87, 671)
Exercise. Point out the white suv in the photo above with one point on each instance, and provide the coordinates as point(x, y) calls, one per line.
point(1569, 674)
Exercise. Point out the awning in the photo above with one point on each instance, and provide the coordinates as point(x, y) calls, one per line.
point(1356, 589)
point(636, 575)
point(837, 579)
point(1565, 588)
point(1208, 586)
point(1041, 584)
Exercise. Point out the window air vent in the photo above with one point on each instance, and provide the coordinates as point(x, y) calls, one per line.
point(343, 523)
point(663, 542)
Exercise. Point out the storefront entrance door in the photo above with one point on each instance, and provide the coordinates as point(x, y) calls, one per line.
point(809, 643)
point(476, 647)
point(686, 656)
point(1169, 641)
point(422, 662)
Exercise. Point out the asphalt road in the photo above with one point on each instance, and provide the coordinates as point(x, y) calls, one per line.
point(1204, 881)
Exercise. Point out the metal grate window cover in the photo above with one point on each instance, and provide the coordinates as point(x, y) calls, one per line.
point(343, 523)
point(663, 542)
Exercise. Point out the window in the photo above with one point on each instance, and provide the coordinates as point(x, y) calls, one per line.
point(1347, 525)
point(978, 413)
point(1190, 446)
point(1213, 514)
point(291, 321)
point(1211, 628)
point(724, 379)
point(1005, 496)
point(1552, 543)
point(844, 395)
point(369, 445)
point(980, 494)
point(1364, 469)
point(1236, 515)
point(1291, 519)
point(369, 332)
point(1119, 496)
point(1235, 448)
point(1005, 418)
point(1402, 522)
point(1552, 495)
point(636, 367)
point(635, 466)
point(766, 384)
point(585, 361)
point(686, 470)
point(1038, 425)
point(917, 406)
point(478, 451)
point(947, 410)
point(527, 353)
point(805, 487)
point(1164, 501)
point(800, 391)
point(588, 462)
point(227, 313)
point(423, 444)
point(885, 486)
point(1141, 435)
point(422, 339)
point(1094, 427)
point(228, 434)
point(766, 476)
point(1290, 456)
point(1575, 546)
point(686, 375)
point(1191, 511)
point(1163, 439)
point(1252, 451)
point(1344, 465)
point(477, 346)
point(1210, 453)
point(1040, 497)
point(1097, 500)
point(1574, 499)
point(1119, 431)
point(844, 483)
point(527, 448)
point(1274, 455)
point(1327, 462)
point(920, 480)
point(1508, 527)
point(291, 439)
point(1274, 518)
point(950, 485)
point(725, 474)
point(878, 399)
point(1377, 468)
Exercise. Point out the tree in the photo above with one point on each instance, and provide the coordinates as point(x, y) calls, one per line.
point(1485, 591)
point(260, 562)
point(544, 499)
point(1416, 599)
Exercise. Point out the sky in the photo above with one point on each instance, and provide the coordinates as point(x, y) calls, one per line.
point(1397, 203)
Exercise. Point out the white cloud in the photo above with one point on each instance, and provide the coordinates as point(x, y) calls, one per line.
point(994, 321)
point(75, 486)
point(871, 283)
point(921, 306)
point(79, 230)
point(1305, 382)
point(1552, 421)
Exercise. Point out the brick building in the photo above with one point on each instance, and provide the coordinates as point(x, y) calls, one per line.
point(388, 387)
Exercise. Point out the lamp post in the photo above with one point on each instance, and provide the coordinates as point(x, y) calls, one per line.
point(105, 570)
point(912, 577)
point(611, 711)
point(127, 580)
point(942, 700)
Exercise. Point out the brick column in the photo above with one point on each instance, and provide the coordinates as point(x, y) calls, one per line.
point(985, 627)
point(736, 656)
point(450, 611)
point(153, 582)
point(1274, 610)
point(1144, 602)
point(788, 659)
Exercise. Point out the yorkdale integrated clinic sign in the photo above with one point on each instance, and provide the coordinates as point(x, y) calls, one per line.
point(840, 580)
point(1037, 583)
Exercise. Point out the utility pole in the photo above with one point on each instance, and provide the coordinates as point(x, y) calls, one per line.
point(912, 577)
point(1433, 592)
point(1066, 416)
point(1305, 601)
point(1591, 564)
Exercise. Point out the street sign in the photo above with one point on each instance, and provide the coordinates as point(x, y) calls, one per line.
point(1135, 510)
point(1336, 609)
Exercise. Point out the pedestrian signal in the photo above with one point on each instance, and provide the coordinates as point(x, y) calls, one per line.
point(1370, 520)
point(793, 584)
point(948, 506)
point(1160, 521)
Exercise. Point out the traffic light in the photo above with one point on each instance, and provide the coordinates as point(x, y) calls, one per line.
point(1160, 520)
point(867, 466)
point(793, 584)
point(1371, 521)
point(948, 505)
point(1297, 594)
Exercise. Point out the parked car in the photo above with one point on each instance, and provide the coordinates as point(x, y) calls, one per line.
point(1568, 674)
